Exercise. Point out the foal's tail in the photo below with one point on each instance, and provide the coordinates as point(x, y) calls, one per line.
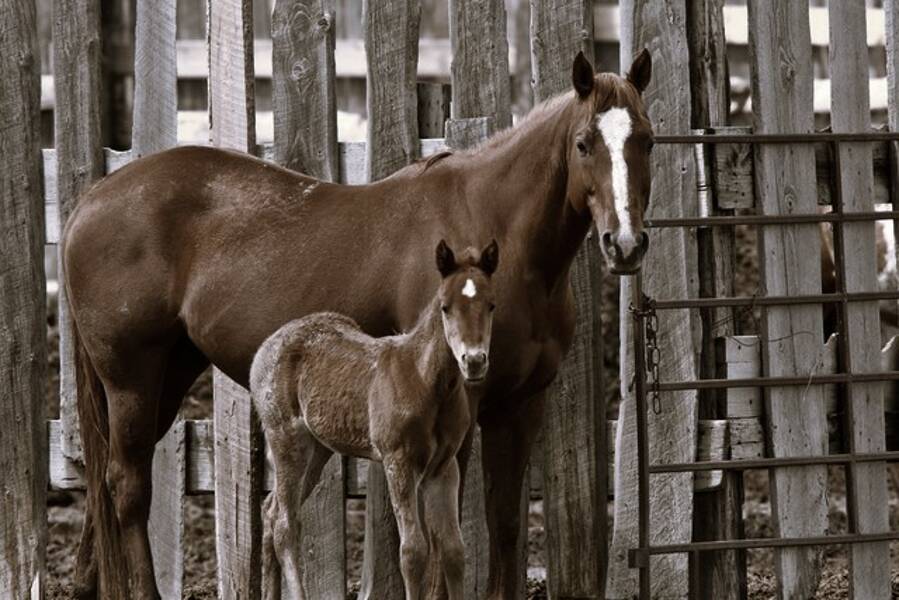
point(109, 559)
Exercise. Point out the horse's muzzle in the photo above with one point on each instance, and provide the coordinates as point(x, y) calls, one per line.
point(624, 256)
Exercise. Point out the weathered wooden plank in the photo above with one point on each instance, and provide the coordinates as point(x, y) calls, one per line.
point(434, 101)
point(238, 472)
point(166, 525)
point(480, 66)
point(669, 270)
point(789, 262)
point(891, 10)
point(305, 110)
point(76, 62)
point(391, 43)
point(869, 564)
point(23, 361)
point(572, 503)
point(303, 81)
point(155, 123)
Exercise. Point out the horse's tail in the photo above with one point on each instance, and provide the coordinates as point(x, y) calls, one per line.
point(109, 559)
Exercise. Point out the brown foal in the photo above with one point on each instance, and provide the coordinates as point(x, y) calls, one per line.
point(321, 385)
point(197, 255)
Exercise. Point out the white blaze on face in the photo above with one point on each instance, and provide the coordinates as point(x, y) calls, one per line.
point(615, 127)
point(469, 290)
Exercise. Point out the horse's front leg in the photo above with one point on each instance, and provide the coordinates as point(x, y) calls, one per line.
point(507, 437)
point(402, 482)
point(441, 500)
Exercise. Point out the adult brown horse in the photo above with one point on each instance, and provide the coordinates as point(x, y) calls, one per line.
point(196, 255)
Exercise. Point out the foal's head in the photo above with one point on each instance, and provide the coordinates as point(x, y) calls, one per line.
point(609, 158)
point(467, 302)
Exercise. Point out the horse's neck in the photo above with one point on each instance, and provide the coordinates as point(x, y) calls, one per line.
point(528, 178)
point(431, 352)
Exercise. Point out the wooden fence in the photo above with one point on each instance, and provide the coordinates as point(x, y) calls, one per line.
point(220, 456)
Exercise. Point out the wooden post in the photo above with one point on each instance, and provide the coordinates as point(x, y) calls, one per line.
point(155, 124)
point(867, 495)
point(117, 29)
point(79, 162)
point(23, 361)
point(573, 505)
point(891, 10)
point(433, 109)
point(238, 459)
point(305, 108)
point(391, 44)
point(717, 515)
point(669, 270)
point(781, 63)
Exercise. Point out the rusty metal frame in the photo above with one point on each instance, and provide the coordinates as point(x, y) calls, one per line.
point(639, 556)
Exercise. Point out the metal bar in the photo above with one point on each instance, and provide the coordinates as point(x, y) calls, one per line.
point(774, 300)
point(777, 138)
point(821, 540)
point(766, 463)
point(714, 384)
point(729, 221)
point(642, 558)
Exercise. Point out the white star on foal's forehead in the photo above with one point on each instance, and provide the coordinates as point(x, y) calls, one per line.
point(469, 290)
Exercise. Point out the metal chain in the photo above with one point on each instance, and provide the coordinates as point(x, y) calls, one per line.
point(653, 354)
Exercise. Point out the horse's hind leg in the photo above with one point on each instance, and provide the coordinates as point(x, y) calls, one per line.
point(185, 363)
point(133, 395)
point(441, 500)
point(85, 560)
point(271, 570)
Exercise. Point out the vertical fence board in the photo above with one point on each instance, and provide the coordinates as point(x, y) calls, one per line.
point(155, 79)
point(781, 65)
point(23, 360)
point(303, 87)
point(869, 564)
point(79, 152)
point(480, 65)
point(717, 514)
point(305, 115)
point(573, 506)
point(238, 462)
point(669, 270)
point(166, 526)
point(391, 44)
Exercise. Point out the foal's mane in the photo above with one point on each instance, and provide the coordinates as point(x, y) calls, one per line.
point(610, 90)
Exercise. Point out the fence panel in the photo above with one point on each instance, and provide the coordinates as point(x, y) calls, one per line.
point(781, 65)
point(238, 466)
point(869, 564)
point(23, 360)
point(391, 44)
point(668, 270)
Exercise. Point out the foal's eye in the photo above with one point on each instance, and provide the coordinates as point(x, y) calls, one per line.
point(582, 147)
point(445, 309)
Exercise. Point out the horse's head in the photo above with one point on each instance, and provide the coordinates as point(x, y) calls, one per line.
point(608, 158)
point(467, 302)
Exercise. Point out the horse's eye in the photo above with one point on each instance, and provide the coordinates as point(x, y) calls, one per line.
point(582, 147)
point(491, 307)
point(445, 309)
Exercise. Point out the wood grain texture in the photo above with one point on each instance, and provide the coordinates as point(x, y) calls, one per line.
point(306, 141)
point(231, 84)
point(391, 45)
point(155, 124)
point(23, 360)
point(891, 14)
point(76, 63)
point(869, 564)
point(572, 502)
point(669, 270)
point(166, 525)
point(303, 81)
point(238, 457)
point(390, 29)
point(480, 65)
point(781, 65)
point(434, 101)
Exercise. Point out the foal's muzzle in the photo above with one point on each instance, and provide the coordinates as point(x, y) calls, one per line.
point(624, 254)
point(474, 365)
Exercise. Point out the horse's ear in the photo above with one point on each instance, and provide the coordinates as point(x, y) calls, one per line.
point(446, 260)
point(489, 258)
point(582, 75)
point(641, 71)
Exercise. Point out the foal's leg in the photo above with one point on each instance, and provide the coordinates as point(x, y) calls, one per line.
point(402, 482)
point(441, 495)
point(271, 569)
point(507, 437)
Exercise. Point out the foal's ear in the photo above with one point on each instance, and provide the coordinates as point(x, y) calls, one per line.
point(582, 75)
point(641, 71)
point(489, 258)
point(446, 260)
